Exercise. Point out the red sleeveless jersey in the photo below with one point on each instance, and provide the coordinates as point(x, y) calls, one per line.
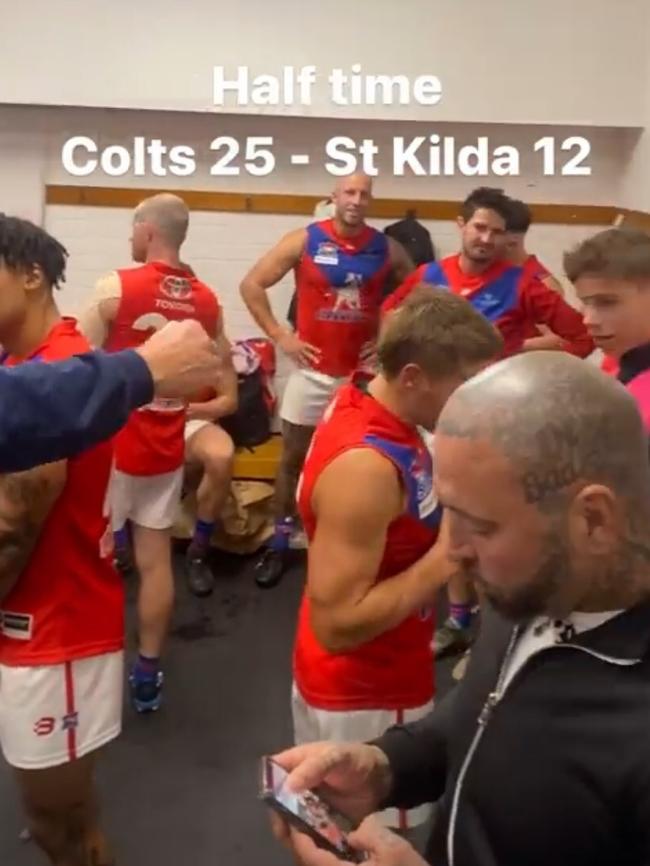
point(68, 603)
point(339, 290)
point(533, 269)
point(152, 441)
point(395, 669)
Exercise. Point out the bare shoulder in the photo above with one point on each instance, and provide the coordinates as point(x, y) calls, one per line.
point(294, 240)
point(279, 259)
point(108, 287)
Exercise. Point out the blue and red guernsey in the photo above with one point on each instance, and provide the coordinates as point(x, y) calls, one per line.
point(339, 285)
point(395, 670)
point(513, 298)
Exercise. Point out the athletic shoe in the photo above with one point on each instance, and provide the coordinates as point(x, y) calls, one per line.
point(123, 560)
point(146, 691)
point(198, 574)
point(451, 639)
point(270, 567)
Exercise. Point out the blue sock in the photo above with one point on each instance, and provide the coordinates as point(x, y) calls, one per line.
point(121, 538)
point(281, 535)
point(202, 536)
point(461, 614)
point(146, 667)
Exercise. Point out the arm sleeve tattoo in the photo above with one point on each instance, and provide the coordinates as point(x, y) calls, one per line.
point(25, 502)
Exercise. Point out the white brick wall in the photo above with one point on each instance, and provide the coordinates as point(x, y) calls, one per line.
point(222, 246)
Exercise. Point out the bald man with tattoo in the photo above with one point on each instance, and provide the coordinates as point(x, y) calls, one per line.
point(542, 753)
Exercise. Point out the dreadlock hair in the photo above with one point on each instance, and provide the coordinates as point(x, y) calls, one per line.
point(24, 245)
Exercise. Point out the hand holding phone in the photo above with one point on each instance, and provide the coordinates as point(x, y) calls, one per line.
point(308, 813)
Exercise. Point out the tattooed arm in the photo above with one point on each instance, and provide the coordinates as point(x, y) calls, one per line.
point(26, 499)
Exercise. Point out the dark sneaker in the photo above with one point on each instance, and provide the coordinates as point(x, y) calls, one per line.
point(123, 560)
point(146, 691)
point(199, 577)
point(451, 639)
point(270, 567)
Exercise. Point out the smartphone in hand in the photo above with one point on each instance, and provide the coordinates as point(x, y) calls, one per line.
point(308, 813)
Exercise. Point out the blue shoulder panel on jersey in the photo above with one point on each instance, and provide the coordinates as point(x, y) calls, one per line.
point(415, 466)
point(434, 274)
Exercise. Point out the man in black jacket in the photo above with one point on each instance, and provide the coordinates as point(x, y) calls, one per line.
point(541, 755)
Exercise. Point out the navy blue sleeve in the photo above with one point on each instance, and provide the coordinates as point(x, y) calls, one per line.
point(53, 411)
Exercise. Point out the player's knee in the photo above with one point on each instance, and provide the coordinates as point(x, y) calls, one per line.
point(218, 461)
point(153, 559)
point(213, 450)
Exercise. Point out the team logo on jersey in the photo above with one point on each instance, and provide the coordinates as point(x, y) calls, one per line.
point(176, 288)
point(327, 254)
point(44, 726)
point(422, 474)
point(70, 722)
point(348, 296)
point(19, 626)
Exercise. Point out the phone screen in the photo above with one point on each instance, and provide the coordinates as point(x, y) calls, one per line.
point(308, 808)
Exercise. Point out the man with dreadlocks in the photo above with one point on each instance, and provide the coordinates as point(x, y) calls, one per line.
point(61, 601)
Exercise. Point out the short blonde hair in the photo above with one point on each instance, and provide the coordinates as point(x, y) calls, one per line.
point(437, 330)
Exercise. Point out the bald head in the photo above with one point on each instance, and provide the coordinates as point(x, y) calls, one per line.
point(557, 420)
point(352, 196)
point(358, 180)
point(168, 215)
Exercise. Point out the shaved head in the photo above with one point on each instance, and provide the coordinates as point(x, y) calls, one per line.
point(542, 467)
point(557, 420)
point(168, 213)
point(352, 196)
point(358, 180)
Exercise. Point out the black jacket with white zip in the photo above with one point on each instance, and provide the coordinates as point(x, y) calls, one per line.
point(554, 771)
